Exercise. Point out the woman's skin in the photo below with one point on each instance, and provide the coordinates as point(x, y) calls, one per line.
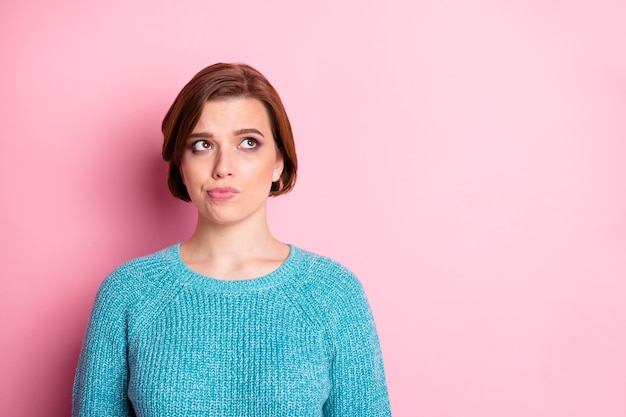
point(228, 168)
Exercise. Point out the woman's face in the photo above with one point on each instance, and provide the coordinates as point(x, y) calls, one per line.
point(231, 160)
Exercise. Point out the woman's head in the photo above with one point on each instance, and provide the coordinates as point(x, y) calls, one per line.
point(219, 82)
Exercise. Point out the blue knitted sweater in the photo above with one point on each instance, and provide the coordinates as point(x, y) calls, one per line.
point(165, 341)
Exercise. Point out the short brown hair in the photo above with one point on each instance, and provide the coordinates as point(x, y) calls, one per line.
point(221, 81)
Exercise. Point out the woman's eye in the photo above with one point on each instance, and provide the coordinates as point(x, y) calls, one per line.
point(200, 145)
point(249, 143)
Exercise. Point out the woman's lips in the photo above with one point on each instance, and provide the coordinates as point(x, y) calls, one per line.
point(222, 193)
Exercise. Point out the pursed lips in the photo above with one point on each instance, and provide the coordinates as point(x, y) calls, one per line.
point(222, 193)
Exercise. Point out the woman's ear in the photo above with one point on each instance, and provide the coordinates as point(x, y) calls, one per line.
point(278, 167)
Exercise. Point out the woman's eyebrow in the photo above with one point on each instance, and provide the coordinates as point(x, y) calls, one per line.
point(205, 135)
point(244, 131)
point(200, 135)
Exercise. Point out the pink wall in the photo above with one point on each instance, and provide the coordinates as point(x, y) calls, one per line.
point(467, 162)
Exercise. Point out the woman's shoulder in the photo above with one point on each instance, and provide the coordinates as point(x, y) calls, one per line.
point(325, 274)
point(137, 276)
point(134, 291)
point(329, 292)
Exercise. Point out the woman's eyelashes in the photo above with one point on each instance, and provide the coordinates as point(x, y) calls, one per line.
point(248, 143)
point(200, 145)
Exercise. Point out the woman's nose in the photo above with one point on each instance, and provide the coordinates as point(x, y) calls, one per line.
point(223, 164)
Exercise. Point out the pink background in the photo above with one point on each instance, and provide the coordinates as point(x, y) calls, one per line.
point(465, 159)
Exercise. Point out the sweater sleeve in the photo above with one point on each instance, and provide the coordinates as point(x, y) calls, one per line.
point(358, 382)
point(100, 384)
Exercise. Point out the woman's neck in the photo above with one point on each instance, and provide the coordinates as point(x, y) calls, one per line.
point(242, 251)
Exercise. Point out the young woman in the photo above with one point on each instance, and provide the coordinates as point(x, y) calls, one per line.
point(232, 322)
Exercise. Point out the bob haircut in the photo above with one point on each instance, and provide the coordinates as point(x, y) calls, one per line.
point(224, 81)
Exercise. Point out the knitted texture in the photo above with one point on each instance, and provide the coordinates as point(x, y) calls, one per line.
point(165, 341)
